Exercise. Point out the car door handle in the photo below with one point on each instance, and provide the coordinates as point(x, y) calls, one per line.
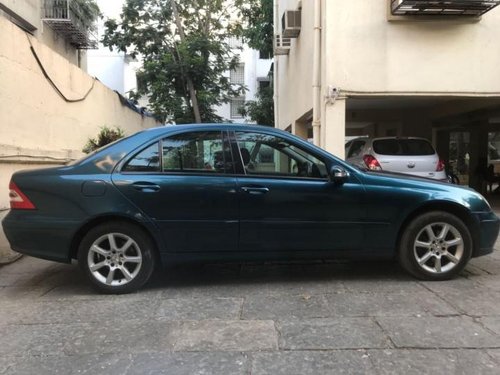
point(255, 190)
point(146, 187)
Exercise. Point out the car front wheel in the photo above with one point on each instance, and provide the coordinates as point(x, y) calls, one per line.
point(117, 257)
point(435, 246)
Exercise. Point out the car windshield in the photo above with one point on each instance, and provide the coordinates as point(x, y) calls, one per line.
point(403, 147)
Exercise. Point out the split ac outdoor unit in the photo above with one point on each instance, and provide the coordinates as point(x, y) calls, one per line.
point(282, 45)
point(290, 23)
point(459, 8)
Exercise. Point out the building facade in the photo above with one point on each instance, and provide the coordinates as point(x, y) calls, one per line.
point(253, 73)
point(115, 69)
point(391, 68)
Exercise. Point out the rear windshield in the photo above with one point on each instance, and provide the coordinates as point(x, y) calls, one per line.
point(403, 147)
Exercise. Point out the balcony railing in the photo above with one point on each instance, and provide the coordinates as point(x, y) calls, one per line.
point(467, 8)
point(70, 19)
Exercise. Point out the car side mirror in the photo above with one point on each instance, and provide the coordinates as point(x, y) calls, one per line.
point(338, 175)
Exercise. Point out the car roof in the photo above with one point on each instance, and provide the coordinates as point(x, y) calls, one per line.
point(216, 126)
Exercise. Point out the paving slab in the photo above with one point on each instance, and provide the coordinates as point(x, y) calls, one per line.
point(438, 332)
point(201, 308)
point(213, 335)
point(387, 304)
point(98, 311)
point(335, 333)
point(216, 363)
point(110, 364)
point(443, 362)
point(491, 322)
point(282, 307)
point(343, 362)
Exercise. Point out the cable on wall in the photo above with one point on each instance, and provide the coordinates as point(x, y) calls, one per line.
point(46, 75)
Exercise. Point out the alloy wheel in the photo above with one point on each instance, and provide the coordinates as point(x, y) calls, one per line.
point(438, 247)
point(114, 259)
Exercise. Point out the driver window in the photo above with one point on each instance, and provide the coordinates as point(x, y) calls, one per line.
point(265, 154)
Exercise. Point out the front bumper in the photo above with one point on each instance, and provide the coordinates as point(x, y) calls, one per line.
point(489, 226)
point(41, 237)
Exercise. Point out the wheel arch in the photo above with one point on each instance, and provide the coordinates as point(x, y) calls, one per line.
point(447, 206)
point(80, 233)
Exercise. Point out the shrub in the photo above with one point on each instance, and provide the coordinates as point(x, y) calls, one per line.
point(105, 136)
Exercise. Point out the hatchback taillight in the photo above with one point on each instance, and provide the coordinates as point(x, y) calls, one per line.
point(19, 201)
point(440, 165)
point(372, 163)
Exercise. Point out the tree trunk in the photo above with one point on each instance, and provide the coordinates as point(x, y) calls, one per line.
point(189, 81)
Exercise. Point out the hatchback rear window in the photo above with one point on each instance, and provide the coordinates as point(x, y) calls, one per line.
point(403, 147)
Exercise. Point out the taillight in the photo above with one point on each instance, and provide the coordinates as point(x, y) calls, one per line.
point(372, 163)
point(440, 165)
point(19, 201)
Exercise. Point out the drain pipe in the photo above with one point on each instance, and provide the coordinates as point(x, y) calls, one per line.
point(276, 69)
point(316, 79)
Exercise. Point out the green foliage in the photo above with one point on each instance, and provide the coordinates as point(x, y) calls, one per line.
point(88, 11)
point(105, 136)
point(261, 110)
point(199, 53)
point(257, 27)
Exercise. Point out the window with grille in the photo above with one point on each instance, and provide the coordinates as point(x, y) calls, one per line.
point(236, 106)
point(237, 75)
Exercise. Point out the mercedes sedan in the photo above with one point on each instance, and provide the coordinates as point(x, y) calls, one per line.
point(240, 193)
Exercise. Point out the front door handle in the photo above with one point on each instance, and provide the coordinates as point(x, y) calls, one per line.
point(255, 190)
point(146, 187)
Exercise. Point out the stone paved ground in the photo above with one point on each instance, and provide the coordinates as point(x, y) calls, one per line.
point(315, 318)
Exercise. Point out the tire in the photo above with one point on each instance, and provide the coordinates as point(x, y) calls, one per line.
point(117, 257)
point(435, 246)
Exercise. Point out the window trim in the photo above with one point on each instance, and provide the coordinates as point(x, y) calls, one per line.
point(225, 139)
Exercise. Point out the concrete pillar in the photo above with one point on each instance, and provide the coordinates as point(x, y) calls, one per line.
point(299, 128)
point(478, 152)
point(333, 125)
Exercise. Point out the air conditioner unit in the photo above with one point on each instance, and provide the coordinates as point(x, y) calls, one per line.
point(282, 45)
point(291, 23)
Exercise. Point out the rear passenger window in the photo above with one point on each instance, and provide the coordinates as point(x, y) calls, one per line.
point(145, 161)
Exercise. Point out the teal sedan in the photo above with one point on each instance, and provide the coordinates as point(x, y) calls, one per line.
point(237, 193)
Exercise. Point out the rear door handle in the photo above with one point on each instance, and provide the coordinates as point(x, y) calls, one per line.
point(146, 187)
point(255, 190)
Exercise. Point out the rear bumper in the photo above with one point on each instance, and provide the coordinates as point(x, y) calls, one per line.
point(489, 225)
point(43, 238)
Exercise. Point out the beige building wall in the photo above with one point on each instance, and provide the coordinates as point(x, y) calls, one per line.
point(367, 53)
point(37, 126)
point(30, 11)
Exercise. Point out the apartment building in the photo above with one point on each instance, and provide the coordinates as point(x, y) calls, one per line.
point(252, 72)
point(392, 68)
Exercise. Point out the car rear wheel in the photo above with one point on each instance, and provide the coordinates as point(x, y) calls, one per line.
point(117, 257)
point(435, 246)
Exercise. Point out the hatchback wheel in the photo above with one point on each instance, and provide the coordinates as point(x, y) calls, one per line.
point(117, 257)
point(435, 246)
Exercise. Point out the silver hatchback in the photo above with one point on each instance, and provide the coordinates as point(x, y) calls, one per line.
point(410, 155)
